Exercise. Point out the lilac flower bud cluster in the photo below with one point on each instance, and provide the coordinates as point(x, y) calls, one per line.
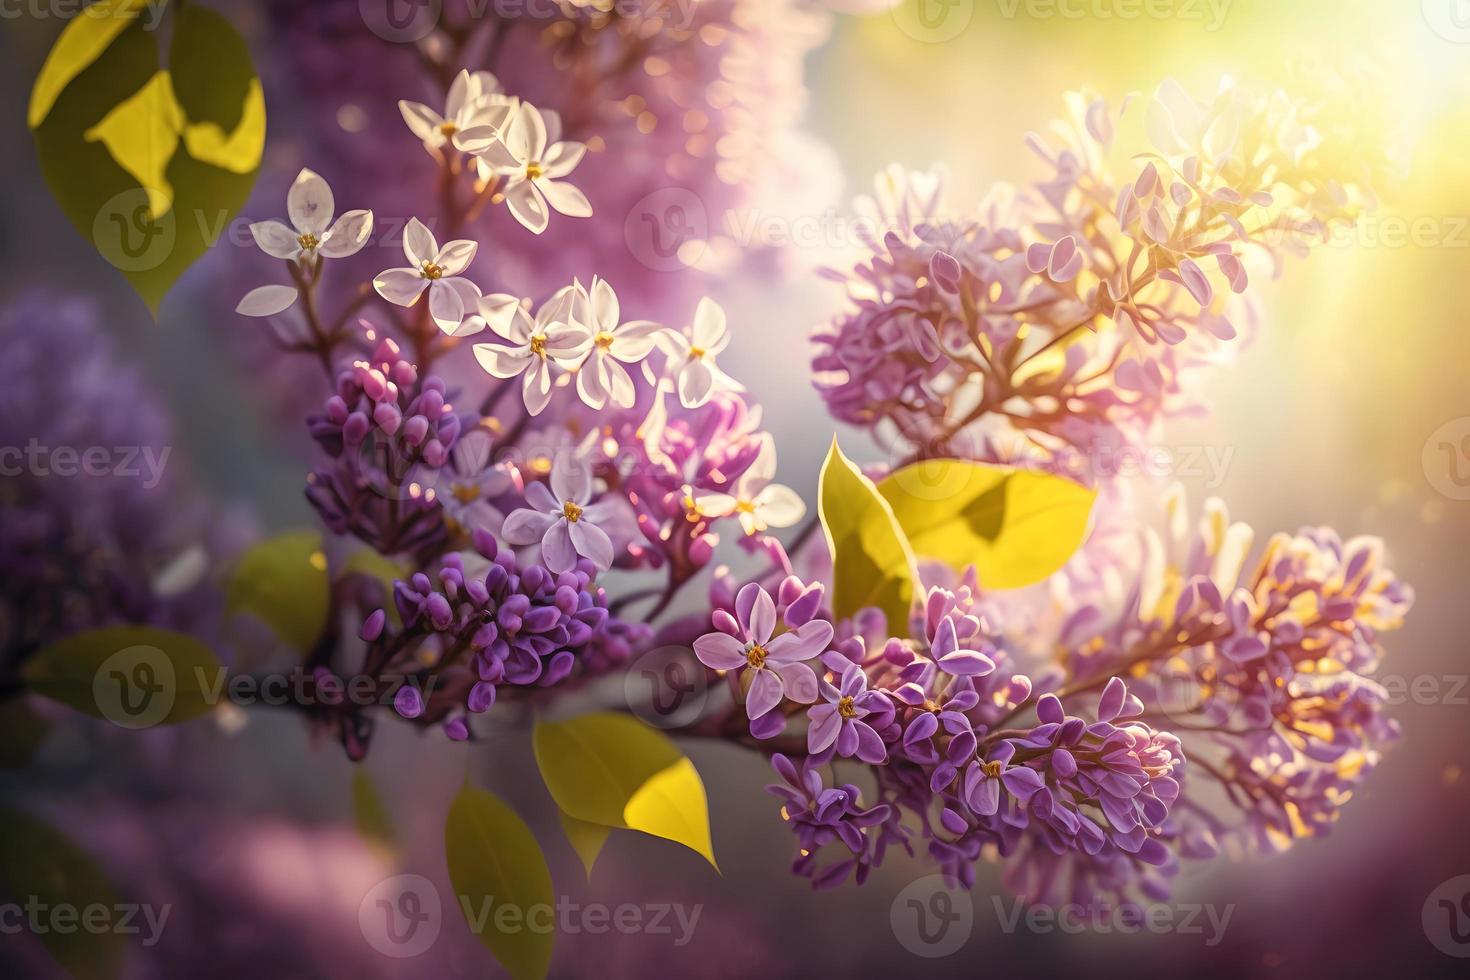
point(388, 434)
point(490, 624)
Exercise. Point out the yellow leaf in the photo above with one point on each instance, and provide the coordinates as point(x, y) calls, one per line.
point(240, 151)
point(80, 45)
point(369, 812)
point(142, 133)
point(872, 563)
point(614, 771)
point(494, 861)
point(283, 581)
point(1016, 527)
point(586, 838)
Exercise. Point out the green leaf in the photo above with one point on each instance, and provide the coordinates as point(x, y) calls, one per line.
point(614, 771)
point(133, 676)
point(586, 838)
point(283, 581)
point(21, 733)
point(872, 564)
point(369, 812)
point(37, 860)
point(381, 569)
point(494, 861)
point(1016, 527)
point(149, 163)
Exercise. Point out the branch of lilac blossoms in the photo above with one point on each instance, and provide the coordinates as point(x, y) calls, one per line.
point(1067, 315)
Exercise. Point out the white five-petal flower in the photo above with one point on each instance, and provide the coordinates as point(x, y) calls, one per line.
point(601, 377)
point(530, 154)
point(436, 269)
point(312, 234)
point(692, 356)
point(758, 502)
point(536, 344)
point(474, 102)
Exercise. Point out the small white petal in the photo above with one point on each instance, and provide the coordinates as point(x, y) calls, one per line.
point(445, 306)
point(562, 159)
point(275, 239)
point(527, 206)
point(423, 122)
point(456, 256)
point(400, 286)
point(266, 300)
point(696, 384)
point(309, 203)
point(780, 506)
point(709, 326)
point(502, 362)
point(347, 235)
point(419, 244)
point(565, 199)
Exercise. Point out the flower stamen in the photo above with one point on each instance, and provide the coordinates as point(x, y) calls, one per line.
point(572, 511)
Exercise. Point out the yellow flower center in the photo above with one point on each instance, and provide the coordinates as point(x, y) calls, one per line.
point(992, 769)
point(432, 271)
point(538, 345)
point(931, 706)
point(845, 708)
point(534, 170)
point(603, 339)
point(695, 353)
point(571, 511)
point(307, 241)
point(745, 506)
point(448, 128)
point(755, 655)
point(465, 493)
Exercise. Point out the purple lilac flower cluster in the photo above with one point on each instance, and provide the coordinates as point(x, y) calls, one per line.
point(1069, 316)
point(483, 623)
point(928, 713)
point(1203, 668)
point(388, 434)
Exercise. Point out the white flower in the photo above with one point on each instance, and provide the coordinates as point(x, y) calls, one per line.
point(529, 153)
point(551, 337)
point(759, 502)
point(475, 480)
point(601, 377)
point(474, 102)
point(692, 356)
point(311, 234)
point(437, 270)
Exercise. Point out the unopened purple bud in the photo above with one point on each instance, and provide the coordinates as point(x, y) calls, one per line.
point(336, 410)
point(702, 549)
point(804, 608)
point(408, 702)
point(789, 590)
point(725, 623)
point(484, 543)
point(415, 430)
point(457, 730)
point(372, 627)
point(484, 636)
point(388, 417)
point(945, 271)
point(356, 428)
point(482, 696)
point(440, 614)
point(374, 385)
point(478, 594)
point(434, 453)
